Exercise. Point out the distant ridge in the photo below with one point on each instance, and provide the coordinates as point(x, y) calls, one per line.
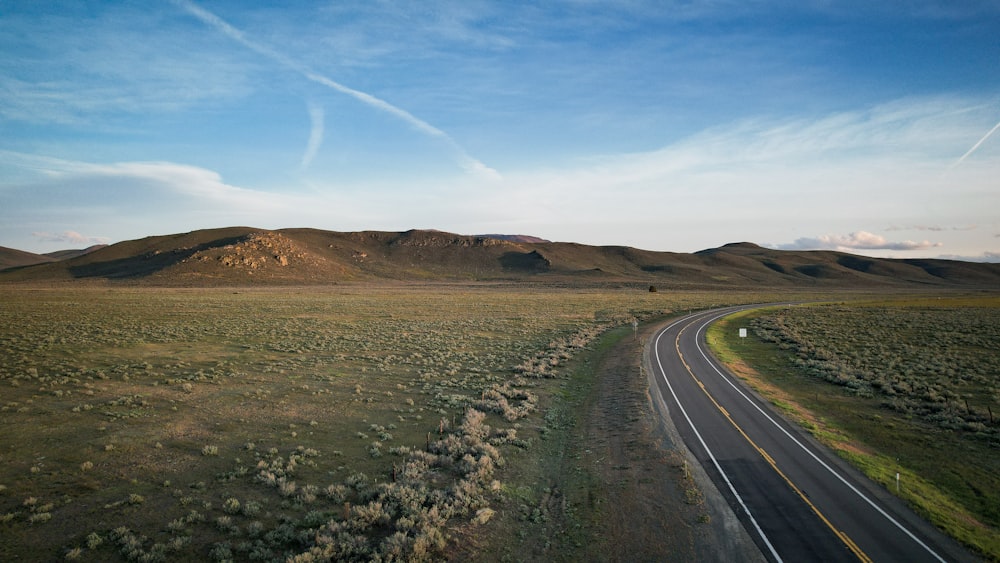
point(516, 238)
point(12, 258)
point(66, 254)
point(238, 256)
point(744, 245)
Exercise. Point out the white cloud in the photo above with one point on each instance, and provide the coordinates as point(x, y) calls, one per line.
point(860, 240)
point(40, 184)
point(988, 256)
point(933, 228)
point(200, 183)
point(71, 237)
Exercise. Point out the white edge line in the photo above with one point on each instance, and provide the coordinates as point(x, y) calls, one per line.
point(697, 434)
point(801, 445)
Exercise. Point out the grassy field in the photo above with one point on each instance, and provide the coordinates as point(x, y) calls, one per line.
point(907, 386)
point(303, 424)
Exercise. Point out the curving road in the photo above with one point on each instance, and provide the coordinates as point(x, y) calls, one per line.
point(798, 500)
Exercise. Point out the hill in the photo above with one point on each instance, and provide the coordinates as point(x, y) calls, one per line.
point(516, 238)
point(65, 254)
point(12, 258)
point(249, 256)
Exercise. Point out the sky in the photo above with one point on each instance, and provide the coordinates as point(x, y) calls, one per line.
point(669, 125)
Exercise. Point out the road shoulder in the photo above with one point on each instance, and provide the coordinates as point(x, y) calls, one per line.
point(725, 539)
point(613, 481)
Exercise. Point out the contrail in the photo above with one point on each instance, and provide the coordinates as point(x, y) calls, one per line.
point(975, 146)
point(467, 162)
point(315, 134)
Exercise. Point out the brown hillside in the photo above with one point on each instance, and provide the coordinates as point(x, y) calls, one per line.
point(12, 258)
point(244, 255)
point(66, 254)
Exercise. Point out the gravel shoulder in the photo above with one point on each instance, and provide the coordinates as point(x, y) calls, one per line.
point(614, 481)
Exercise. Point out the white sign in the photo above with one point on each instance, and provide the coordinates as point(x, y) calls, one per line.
point(743, 333)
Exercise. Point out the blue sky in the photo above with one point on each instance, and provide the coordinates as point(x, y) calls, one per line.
point(869, 127)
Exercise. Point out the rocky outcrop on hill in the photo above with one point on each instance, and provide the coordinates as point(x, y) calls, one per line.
point(259, 250)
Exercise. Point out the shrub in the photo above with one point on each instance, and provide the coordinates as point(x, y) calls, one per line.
point(251, 508)
point(39, 517)
point(94, 540)
point(231, 506)
point(483, 515)
point(221, 552)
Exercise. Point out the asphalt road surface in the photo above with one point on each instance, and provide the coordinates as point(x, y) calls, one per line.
point(797, 499)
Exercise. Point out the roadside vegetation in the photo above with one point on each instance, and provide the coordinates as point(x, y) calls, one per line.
point(906, 387)
point(352, 423)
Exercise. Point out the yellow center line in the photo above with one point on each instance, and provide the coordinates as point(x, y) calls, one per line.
point(770, 461)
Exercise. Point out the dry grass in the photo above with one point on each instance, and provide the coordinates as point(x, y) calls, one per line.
point(906, 385)
point(154, 424)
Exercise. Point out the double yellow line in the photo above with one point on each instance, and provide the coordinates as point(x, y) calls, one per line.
point(770, 461)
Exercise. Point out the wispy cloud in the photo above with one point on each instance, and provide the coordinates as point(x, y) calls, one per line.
point(70, 237)
point(122, 184)
point(466, 161)
point(860, 240)
point(183, 179)
point(87, 65)
point(885, 155)
point(932, 228)
point(988, 256)
point(315, 134)
point(761, 179)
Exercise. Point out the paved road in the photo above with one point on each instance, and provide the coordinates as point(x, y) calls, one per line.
point(795, 498)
